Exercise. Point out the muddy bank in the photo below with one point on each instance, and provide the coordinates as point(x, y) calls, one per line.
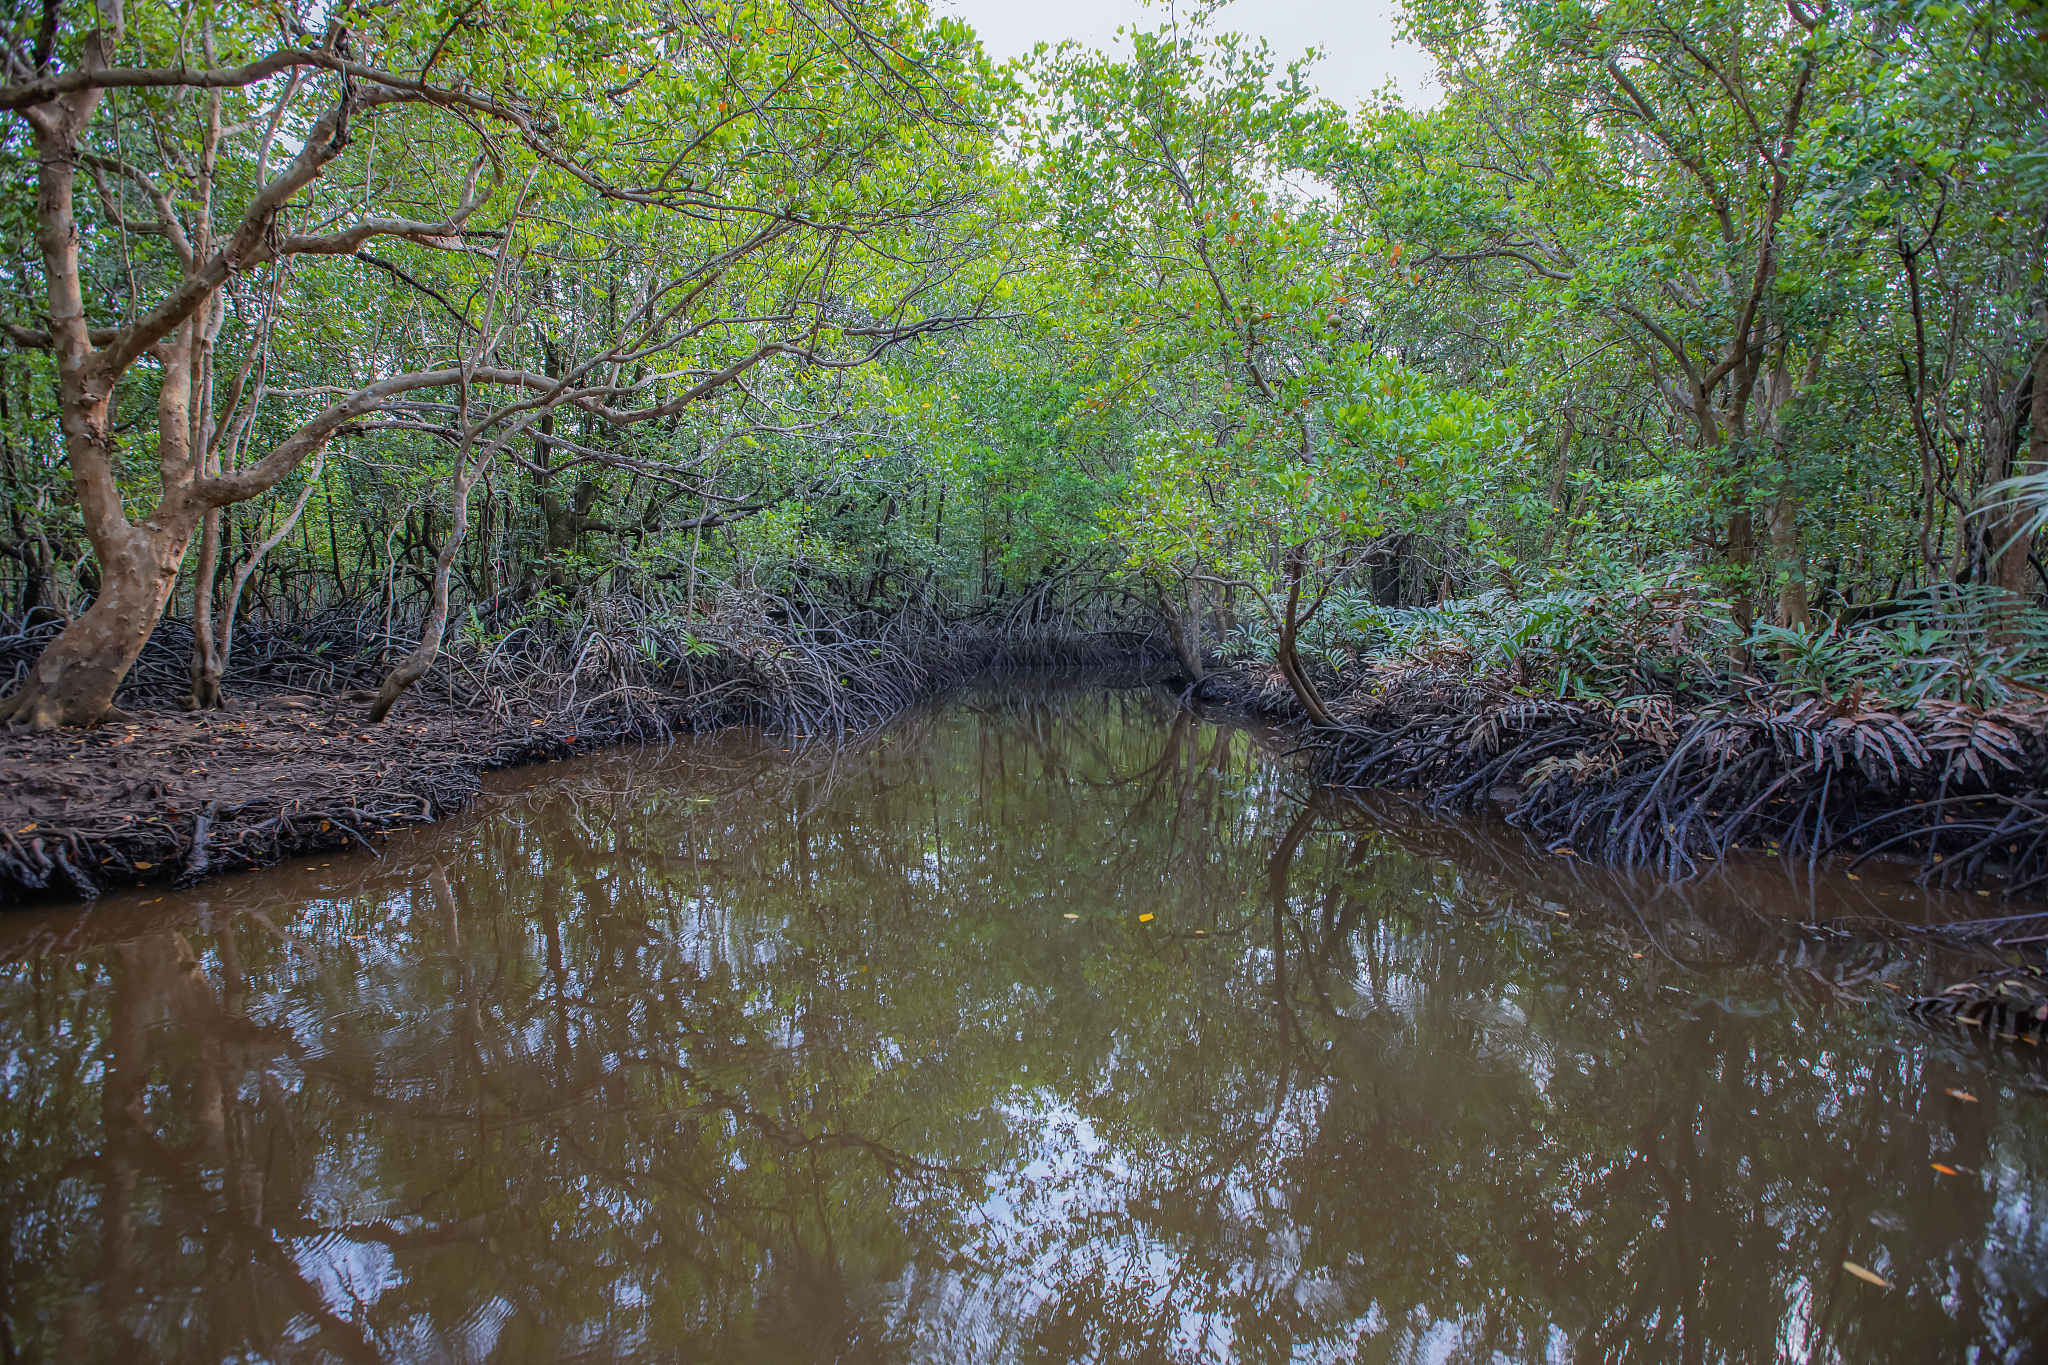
point(165, 795)
point(1672, 785)
point(173, 798)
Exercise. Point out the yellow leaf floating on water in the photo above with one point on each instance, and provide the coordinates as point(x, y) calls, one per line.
point(1945, 1170)
point(1965, 1096)
point(1144, 919)
point(1868, 1276)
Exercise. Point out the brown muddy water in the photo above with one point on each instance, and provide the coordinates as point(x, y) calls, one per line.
point(1047, 1025)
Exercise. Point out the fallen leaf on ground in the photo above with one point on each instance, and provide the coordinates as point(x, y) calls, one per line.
point(1070, 917)
point(1965, 1096)
point(1143, 919)
point(1945, 1170)
point(1868, 1276)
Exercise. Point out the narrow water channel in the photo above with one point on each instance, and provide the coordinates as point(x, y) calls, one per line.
point(1050, 1024)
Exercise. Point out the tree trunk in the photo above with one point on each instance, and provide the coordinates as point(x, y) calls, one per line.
point(2009, 543)
point(2037, 417)
point(1781, 394)
point(206, 665)
point(1289, 658)
point(1741, 554)
point(1557, 482)
point(1224, 611)
point(415, 665)
point(253, 561)
point(1788, 562)
point(1184, 627)
point(74, 681)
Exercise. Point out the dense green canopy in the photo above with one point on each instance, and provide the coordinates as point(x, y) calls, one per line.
point(460, 319)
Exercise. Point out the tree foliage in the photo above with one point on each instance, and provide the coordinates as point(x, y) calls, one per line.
point(766, 311)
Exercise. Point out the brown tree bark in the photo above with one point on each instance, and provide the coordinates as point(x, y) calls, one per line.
point(1781, 394)
point(75, 679)
point(213, 644)
point(2010, 543)
point(1184, 626)
point(414, 666)
point(1740, 553)
point(2037, 416)
point(206, 665)
point(1288, 655)
point(1788, 561)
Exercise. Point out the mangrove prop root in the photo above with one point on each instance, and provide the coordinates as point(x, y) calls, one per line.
point(1961, 791)
point(180, 799)
point(287, 772)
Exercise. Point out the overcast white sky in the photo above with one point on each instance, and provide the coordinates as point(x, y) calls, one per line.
point(1357, 36)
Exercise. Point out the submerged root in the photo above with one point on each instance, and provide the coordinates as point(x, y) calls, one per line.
point(2009, 1004)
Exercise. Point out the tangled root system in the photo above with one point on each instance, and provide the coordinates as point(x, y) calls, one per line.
point(176, 799)
point(1655, 784)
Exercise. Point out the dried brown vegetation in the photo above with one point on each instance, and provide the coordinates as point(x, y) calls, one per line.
point(1669, 784)
point(177, 798)
point(296, 766)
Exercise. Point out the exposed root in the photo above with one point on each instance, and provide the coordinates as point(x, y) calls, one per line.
point(289, 772)
point(27, 708)
point(1659, 784)
point(180, 799)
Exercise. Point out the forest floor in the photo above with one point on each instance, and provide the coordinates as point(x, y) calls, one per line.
point(173, 797)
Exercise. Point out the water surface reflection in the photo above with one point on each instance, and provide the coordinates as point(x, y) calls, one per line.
point(1047, 1026)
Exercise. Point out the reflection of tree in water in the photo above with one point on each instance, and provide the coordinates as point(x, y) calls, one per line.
point(730, 1054)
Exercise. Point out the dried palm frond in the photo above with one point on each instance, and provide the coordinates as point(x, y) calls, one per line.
point(1971, 738)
